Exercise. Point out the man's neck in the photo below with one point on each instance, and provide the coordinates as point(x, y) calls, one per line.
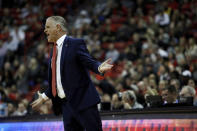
point(60, 35)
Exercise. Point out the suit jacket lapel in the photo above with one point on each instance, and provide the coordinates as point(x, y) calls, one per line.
point(64, 51)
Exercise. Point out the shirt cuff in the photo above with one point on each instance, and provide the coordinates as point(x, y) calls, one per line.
point(44, 96)
point(102, 74)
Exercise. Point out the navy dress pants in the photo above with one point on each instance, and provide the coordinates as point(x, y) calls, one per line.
point(85, 120)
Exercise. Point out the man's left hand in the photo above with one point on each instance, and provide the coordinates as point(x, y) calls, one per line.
point(105, 66)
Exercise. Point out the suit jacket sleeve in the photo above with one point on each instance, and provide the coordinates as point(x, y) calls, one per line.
point(48, 93)
point(86, 59)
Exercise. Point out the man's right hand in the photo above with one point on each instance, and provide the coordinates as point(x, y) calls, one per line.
point(38, 102)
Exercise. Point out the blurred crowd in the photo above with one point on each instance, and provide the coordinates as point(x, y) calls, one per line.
point(152, 43)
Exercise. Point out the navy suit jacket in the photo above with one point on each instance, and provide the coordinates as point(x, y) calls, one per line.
point(75, 65)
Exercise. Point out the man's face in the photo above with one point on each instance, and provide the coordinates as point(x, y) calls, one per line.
point(169, 97)
point(51, 30)
point(21, 107)
point(191, 83)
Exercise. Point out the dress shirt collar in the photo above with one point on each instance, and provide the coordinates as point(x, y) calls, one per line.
point(60, 40)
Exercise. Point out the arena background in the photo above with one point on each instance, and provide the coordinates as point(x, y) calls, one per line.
point(152, 44)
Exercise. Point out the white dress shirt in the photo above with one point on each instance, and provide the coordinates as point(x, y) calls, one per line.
point(162, 19)
point(60, 91)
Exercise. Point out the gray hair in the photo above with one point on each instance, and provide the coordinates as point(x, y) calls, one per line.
point(130, 94)
point(190, 90)
point(59, 20)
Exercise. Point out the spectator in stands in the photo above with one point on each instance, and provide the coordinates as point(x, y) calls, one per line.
point(3, 51)
point(191, 83)
point(185, 76)
point(175, 83)
point(169, 95)
point(162, 18)
point(116, 103)
point(107, 35)
point(33, 72)
point(152, 83)
point(6, 76)
point(152, 86)
point(137, 43)
point(129, 100)
point(18, 36)
point(163, 39)
point(82, 19)
point(187, 91)
point(94, 42)
point(112, 53)
point(195, 72)
point(46, 108)
point(119, 87)
point(21, 78)
point(21, 110)
point(180, 57)
point(162, 85)
point(142, 85)
point(11, 109)
point(191, 49)
point(163, 73)
point(3, 104)
point(127, 82)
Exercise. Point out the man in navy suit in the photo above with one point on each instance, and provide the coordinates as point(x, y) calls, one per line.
point(70, 87)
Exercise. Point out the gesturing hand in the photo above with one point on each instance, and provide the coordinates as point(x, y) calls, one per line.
point(105, 66)
point(38, 102)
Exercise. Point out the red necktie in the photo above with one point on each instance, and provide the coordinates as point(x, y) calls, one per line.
point(54, 92)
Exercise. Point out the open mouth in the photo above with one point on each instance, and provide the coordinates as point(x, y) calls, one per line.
point(47, 35)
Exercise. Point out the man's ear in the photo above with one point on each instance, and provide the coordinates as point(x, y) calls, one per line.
point(59, 28)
